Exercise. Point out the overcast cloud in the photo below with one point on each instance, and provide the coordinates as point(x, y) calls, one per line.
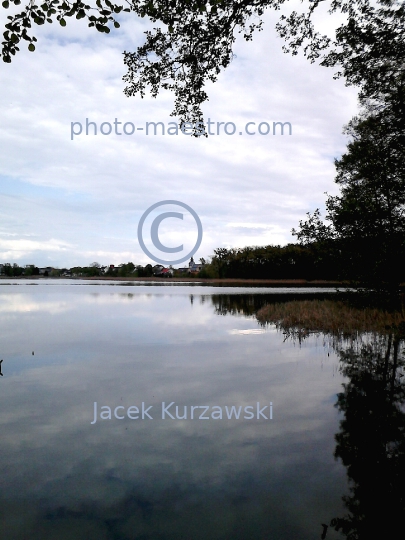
point(70, 202)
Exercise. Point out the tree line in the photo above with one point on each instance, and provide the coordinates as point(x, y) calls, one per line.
point(292, 261)
point(16, 270)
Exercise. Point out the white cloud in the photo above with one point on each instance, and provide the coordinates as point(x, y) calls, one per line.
point(89, 193)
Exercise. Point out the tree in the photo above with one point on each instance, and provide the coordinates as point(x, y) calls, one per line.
point(7, 269)
point(144, 271)
point(126, 270)
point(368, 217)
point(194, 41)
point(369, 47)
point(17, 270)
point(28, 270)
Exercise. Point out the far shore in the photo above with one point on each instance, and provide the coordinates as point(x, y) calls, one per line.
point(225, 281)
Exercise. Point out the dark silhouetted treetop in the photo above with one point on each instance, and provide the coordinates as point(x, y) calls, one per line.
point(368, 216)
point(194, 40)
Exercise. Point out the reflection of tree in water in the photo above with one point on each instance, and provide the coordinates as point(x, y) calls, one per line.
point(237, 304)
point(371, 440)
point(249, 304)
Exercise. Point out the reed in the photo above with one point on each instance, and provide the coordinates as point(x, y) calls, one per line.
point(336, 318)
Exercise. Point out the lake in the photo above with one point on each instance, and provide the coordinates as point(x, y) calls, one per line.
point(70, 473)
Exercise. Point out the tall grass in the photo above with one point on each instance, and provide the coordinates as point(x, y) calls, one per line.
point(336, 318)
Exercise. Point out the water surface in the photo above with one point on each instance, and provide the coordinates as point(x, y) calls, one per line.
point(124, 479)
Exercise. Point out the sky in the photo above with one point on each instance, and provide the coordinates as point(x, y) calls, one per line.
point(71, 202)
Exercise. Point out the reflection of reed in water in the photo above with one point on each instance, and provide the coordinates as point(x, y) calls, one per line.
point(1, 373)
point(371, 439)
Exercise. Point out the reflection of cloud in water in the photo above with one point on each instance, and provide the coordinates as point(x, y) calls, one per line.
point(184, 473)
point(164, 479)
point(22, 303)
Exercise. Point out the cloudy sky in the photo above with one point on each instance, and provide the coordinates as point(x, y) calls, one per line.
point(71, 202)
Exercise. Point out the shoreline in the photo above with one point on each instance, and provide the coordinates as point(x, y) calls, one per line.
point(219, 281)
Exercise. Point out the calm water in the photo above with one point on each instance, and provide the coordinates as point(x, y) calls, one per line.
point(119, 345)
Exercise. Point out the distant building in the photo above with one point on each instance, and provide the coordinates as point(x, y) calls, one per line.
point(112, 269)
point(161, 271)
point(194, 267)
point(45, 271)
